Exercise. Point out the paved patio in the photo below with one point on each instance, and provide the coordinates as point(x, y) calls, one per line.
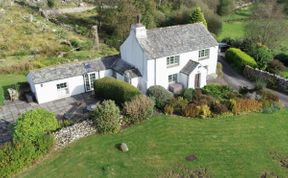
point(74, 105)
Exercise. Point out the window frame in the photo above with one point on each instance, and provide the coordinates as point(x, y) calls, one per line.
point(62, 86)
point(204, 54)
point(172, 61)
point(173, 78)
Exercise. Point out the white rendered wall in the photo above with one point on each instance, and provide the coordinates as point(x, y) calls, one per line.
point(47, 92)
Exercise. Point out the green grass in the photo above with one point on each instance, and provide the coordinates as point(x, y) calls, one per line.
point(238, 146)
point(235, 30)
point(9, 79)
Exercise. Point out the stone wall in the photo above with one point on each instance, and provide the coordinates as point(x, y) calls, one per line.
point(53, 12)
point(273, 81)
point(69, 134)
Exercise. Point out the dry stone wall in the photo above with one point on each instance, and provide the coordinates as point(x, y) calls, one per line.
point(273, 81)
point(72, 133)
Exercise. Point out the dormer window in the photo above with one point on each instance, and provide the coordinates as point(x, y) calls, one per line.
point(204, 54)
point(173, 61)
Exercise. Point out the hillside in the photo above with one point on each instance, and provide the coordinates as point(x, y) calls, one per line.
point(28, 40)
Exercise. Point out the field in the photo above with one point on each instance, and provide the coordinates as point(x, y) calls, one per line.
point(234, 27)
point(233, 146)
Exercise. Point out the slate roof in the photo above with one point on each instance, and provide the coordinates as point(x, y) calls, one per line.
point(162, 42)
point(189, 67)
point(77, 69)
point(123, 67)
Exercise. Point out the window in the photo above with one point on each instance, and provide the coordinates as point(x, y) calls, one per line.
point(203, 54)
point(61, 86)
point(172, 78)
point(173, 61)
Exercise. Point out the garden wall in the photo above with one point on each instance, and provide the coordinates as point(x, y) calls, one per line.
point(273, 81)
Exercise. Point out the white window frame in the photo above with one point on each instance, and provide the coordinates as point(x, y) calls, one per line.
point(173, 78)
point(204, 54)
point(63, 86)
point(172, 61)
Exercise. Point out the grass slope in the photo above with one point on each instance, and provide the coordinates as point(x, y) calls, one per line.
point(229, 147)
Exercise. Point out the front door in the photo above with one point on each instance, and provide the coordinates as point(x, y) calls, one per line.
point(197, 80)
point(89, 81)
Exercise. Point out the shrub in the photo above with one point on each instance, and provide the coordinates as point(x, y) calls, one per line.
point(276, 67)
point(267, 95)
point(283, 58)
point(15, 156)
point(51, 3)
point(1, 96)
point(246, 105)
point(160, 94)
point(219, 92)
point(214, 23)
point(33, 124)
point(192, 110)
point(169, 109)
point(239, 58)
point(113, 89)
point(178, 105)
point(138, 109)
point(188, 94)
point(106, 117)
point(262, 56)
point(218, 108)
point(260, 84)
point(205, 111)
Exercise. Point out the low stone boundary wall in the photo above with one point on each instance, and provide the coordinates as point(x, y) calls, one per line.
point(273, 81)
point(72, 133)
point(66, 10)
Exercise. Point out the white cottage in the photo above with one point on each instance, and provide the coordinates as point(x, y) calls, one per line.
point(173, 57)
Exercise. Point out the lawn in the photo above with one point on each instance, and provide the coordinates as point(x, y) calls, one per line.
point(9, 79)
point(241, 146)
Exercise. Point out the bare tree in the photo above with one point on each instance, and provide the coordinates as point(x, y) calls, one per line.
point(268, 25)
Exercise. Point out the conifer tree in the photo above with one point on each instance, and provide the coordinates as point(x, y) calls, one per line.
point(198, 16)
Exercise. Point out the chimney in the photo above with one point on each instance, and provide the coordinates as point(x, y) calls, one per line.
point(139, 29)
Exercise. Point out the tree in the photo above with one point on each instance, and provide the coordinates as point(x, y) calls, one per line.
point(198, 16)
point(262, 56)
point(268, 25)
point(225, 7)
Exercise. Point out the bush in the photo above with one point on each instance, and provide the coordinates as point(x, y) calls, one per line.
point(161, 96)
point(138, 109)
point(113, 89)
point(214, 24)
point(178, 104)
point(283, 58)
point(276, 67)
point(1, 96)
point(246, 105)
point(188, 94)
point(262, 55)
point(106, 117)
point(260, 84)
point(239, 58)
point(15, 156)
point(192, 110)
point(34, 124)
point(218, 108)
point(169, 109)
point(51, 3)
point(219, 92)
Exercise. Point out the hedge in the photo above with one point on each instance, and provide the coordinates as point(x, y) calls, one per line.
point(239, 58)
point(113, 89)
point(1, 96)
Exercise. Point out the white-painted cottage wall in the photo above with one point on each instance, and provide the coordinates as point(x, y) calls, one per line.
point(203, 77)
point(48, 91)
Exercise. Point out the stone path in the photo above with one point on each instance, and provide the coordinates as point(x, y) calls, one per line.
point(74, 105)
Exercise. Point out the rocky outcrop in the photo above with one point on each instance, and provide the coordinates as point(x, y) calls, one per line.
point(69, 134)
